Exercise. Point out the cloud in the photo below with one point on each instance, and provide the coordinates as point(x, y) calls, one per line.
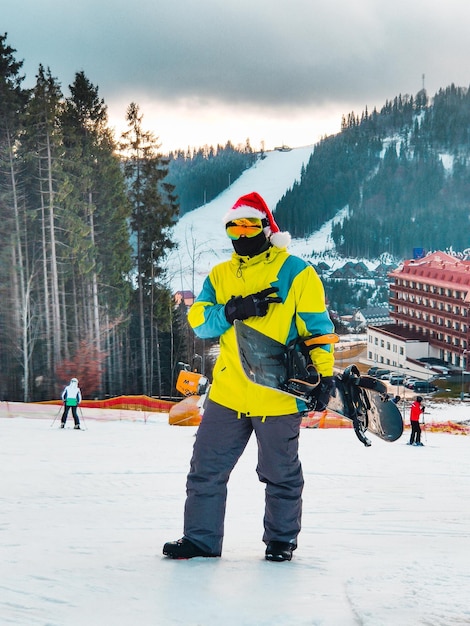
point(283, 59)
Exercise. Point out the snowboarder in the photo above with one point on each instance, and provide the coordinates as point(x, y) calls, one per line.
point(281, 295)
point(416, 410)
point(72, 398)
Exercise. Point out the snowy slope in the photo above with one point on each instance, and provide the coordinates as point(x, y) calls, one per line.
point(200, 234)
point(84, 515)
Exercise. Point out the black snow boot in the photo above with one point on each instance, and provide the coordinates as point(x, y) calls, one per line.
point(184, 549)
point(62, 424)
point(77, 427)
point(279, 551)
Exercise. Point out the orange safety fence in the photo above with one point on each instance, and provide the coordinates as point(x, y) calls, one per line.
point(130, 403)
point(456, 428)
point(185, 412)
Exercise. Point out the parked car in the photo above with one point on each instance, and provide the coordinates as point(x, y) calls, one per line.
point(424, 386)
point(397, 379)
point(377, 372)
point(409, 382)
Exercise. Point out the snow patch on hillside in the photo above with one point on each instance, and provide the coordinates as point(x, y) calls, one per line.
point(200, 234)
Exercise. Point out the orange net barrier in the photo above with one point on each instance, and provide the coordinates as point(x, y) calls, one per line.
point(130, 403)
point(456, 428)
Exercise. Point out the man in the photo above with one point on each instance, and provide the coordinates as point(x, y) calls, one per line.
point(416, 410)
point(72, 398)
point(281, 296)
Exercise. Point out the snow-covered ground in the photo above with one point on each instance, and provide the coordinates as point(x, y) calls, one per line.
point(200, 235)
point(84, 515)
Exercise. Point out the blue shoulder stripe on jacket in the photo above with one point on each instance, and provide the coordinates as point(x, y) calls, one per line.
point(292, 266)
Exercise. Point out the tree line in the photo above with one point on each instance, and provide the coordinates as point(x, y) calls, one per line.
point(85, 224)
point(388, 168)
point(200, 175)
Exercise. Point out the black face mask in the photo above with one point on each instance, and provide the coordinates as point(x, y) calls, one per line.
point(251, 246)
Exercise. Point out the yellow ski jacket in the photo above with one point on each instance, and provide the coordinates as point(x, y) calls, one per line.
point(301, 313)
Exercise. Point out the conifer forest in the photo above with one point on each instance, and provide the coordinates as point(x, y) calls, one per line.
point(85, 224)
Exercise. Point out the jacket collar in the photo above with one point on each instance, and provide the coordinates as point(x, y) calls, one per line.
point(264, 257)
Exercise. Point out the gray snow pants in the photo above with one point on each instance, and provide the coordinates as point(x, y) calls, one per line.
point(220, 441)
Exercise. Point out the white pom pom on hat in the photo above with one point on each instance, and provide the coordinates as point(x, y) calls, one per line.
point(253, 205)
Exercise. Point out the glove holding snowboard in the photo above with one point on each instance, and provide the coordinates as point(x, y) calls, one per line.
point(322, 392)
point(254, 305)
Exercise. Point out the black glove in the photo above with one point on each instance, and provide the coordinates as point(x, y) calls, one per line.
point(254, 305)
point(323, 392)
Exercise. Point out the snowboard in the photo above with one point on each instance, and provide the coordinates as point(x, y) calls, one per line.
point(362, 399)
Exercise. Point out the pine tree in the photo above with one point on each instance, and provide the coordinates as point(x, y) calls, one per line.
point(154, 210)
point(95, 216)
point(42, 152)
point(15, 277)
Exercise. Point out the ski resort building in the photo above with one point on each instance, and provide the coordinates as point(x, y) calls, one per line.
point(430, 303)
point(371, 316)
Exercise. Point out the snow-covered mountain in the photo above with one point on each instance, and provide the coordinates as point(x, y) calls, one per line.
point(200, 235)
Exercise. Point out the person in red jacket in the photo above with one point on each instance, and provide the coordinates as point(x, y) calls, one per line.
point(417, 409)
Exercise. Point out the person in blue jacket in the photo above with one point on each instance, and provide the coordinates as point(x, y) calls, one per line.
point(72, 397)
point(281, 296)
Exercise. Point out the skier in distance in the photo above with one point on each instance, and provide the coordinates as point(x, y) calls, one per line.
point(72, 397)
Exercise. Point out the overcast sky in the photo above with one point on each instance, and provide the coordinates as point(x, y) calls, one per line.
point(277, 71)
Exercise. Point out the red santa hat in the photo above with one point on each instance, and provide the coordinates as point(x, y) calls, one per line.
point(253, 205)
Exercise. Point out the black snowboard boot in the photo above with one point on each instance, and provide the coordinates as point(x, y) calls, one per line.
point(184, 549)
point(279, 551)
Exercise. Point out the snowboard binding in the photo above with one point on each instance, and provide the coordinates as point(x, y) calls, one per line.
point(357, 401)
point(302, 376)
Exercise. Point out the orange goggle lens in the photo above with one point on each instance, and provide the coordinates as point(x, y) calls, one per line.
point(245, 227)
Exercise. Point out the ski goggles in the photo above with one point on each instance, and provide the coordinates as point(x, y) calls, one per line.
point(245, 227)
